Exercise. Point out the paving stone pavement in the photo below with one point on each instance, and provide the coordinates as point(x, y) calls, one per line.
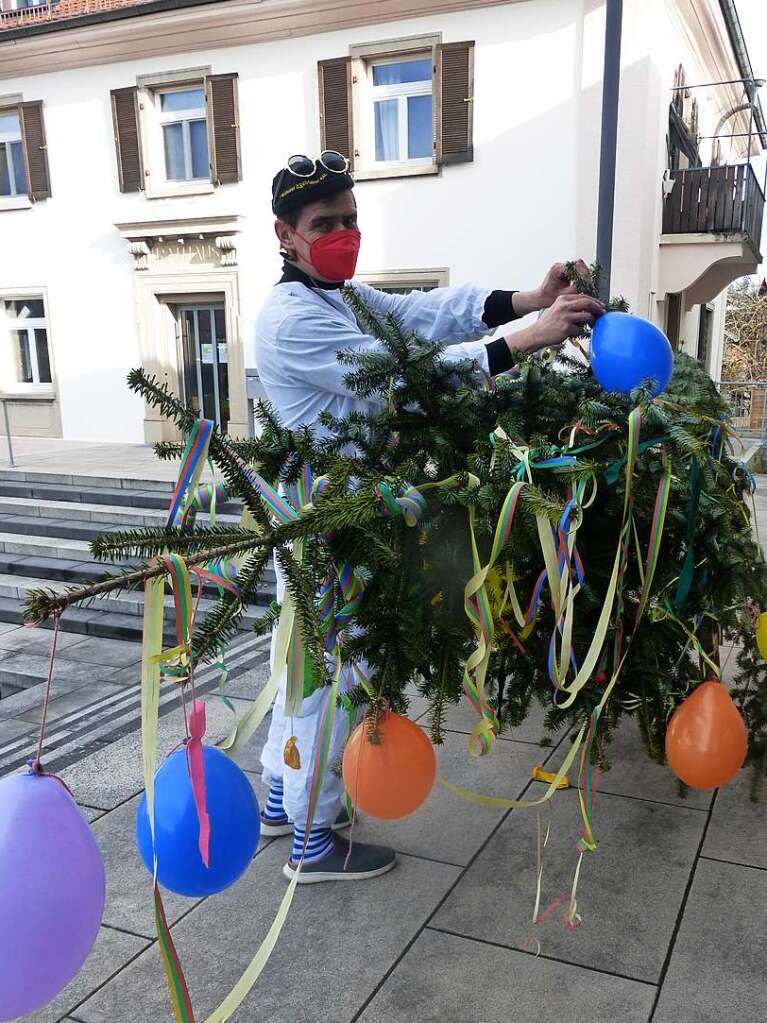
point(672, 900)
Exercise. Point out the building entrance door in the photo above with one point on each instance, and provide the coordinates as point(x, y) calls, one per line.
point(205, 373)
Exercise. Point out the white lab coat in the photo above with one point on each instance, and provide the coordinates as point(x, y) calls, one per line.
point(298, 334)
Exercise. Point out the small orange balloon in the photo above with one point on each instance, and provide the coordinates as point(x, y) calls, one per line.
point(393, 777)
point(706, 739)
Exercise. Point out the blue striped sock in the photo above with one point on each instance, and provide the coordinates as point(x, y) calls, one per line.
point(320, 842)
point(275, 809)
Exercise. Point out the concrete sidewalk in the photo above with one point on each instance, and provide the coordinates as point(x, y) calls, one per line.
point(85, 458)
point(672, 900)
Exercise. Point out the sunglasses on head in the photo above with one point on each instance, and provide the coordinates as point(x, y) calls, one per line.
point(304, 166)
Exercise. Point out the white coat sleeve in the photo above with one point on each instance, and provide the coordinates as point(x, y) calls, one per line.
point(309, 345)
point(448, 315)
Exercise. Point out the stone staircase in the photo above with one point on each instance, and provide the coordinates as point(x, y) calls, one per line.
point(46, 524)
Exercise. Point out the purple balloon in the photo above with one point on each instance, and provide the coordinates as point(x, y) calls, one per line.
point(51, 891)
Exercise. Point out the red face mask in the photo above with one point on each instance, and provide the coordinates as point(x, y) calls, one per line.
point(334, 255)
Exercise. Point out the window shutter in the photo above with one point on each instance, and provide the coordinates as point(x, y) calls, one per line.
point(455, 98)
point(335, 86)
point(130, 168)
point(223, 129)
point(35, 150)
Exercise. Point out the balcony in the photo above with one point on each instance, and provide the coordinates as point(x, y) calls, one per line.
point(712, 229)
point(18, 13)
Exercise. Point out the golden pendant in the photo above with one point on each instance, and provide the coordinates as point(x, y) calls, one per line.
point(290, 755)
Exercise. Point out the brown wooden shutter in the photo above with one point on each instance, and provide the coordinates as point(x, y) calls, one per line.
point(130, 165)
point(455, 102)
point(335, 87)
point(35, 150)
point(223, 129)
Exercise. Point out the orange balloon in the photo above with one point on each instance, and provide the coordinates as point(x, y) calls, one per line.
point(393, 777)
point(706, 739)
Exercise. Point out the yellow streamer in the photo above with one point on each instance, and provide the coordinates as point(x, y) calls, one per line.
point(538, 774)
point(150, 687)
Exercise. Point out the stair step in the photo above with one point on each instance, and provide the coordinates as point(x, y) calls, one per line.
point(114, 497)
point(74, 572)
point(114, 515)
point(102, 482)
point(87, 622)
point(91, 495)
point(129, 602)
point(45, 547)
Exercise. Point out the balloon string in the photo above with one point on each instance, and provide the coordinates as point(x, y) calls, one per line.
point(35, 765)
point(191, 662)
point(354, 805)
point(191, 628)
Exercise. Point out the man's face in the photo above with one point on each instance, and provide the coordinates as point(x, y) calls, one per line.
point(315, 220)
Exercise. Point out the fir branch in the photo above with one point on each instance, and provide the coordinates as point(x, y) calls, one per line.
point(42, 603)
point(150, 541)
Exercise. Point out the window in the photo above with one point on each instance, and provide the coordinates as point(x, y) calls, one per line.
point(28, 333)
point(399, 108)
point(177, 133)
point(184, 124)
point(705, 334)
point(402, 282)
point(13, 175)
point(24, 177)
point(402, 110)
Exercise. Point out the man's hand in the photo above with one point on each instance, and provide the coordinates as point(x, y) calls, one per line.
point(555, 283)
point(566, 318)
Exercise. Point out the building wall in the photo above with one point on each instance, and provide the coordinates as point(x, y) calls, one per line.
point(527, 199)
point(500, 220)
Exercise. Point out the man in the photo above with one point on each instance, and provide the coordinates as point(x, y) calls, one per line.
point(302, 325)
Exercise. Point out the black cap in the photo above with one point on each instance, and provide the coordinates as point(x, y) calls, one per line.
point(290, 192)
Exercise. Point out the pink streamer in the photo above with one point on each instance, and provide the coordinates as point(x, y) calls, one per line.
point(196, 758)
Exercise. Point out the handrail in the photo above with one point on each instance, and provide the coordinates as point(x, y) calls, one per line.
point(60, 10)
point(715, 200)
point(7, 421)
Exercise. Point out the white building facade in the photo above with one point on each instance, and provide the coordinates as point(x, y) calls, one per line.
point(138, 144)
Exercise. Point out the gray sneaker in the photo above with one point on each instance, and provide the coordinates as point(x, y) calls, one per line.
point(365, 861)
point(276, 827)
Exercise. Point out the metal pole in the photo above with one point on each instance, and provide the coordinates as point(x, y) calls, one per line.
point(610, 94)
point(8, 431)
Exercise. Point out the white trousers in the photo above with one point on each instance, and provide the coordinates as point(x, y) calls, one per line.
point(306, 727)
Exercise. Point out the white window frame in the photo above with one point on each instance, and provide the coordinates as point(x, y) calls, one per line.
point(8, 362)
point(364, 56)
point(156, 184)
point(401, 93)
point(432, 277)
point(6, 140)
point(182, 117)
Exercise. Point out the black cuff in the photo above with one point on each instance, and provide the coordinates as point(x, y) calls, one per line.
point(500, 358)
point(499, 309)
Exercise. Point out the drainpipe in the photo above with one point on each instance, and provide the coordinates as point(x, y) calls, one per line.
point(610, 95)
point(738, 41)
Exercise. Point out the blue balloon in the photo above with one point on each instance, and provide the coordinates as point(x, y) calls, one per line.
point(235, 825)
point(627, 350)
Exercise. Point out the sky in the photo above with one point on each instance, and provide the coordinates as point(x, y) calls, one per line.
point(753, 18)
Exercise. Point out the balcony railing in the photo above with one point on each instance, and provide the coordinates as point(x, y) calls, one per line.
point(57, 10)
point(715, 200)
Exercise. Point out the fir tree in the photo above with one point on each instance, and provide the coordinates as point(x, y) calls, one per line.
point(433, 422)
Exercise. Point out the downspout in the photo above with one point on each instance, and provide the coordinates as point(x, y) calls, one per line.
point(607, 154)
point(738, 41)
